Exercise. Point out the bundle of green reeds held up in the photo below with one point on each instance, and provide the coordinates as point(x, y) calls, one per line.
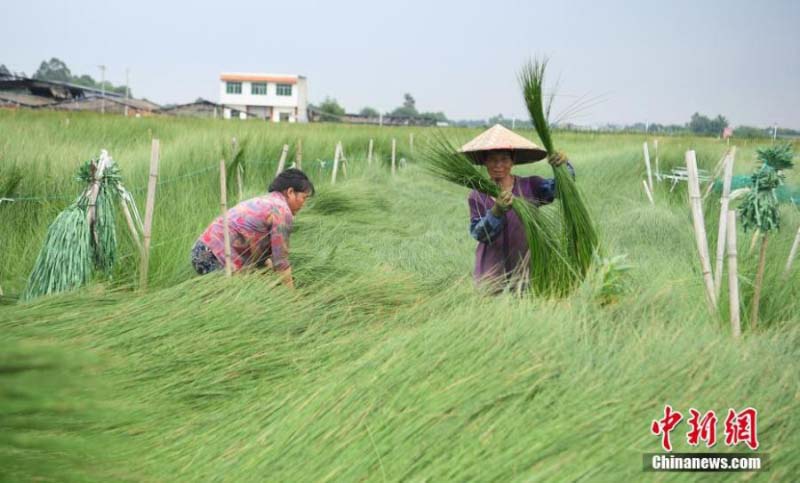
point(562, 249)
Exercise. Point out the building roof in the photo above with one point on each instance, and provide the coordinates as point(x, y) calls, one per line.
point(94, 102)
point(25, 99)
point(257, 77)
point(46, 88)
point(199, 102)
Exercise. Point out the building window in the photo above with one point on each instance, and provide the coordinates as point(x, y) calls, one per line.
point(233, 87)
point(258, 88)
point(283, 117)
point(284, 90)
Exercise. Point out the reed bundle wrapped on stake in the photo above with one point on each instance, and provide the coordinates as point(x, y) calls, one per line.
point(760, 212)
point(298, 155)
point(83, 236)
point(723, 218)
point(579, 235)
point(369, 153)
point(700, 228)
point(148, 213)
point(733, 277)
point(224, 207)
point(94, 190)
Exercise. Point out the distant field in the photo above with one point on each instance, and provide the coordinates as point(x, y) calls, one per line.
point(385, 364)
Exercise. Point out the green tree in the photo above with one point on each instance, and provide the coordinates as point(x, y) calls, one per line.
point(408, 109)
point(331, 110)
point(369, 112)
point(4, 70)
point(433, 116)
point(53, 70)
point(700, 124)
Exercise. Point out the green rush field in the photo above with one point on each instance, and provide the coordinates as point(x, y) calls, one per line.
point(385, 364)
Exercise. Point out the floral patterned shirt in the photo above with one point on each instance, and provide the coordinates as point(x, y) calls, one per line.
point(259, 228)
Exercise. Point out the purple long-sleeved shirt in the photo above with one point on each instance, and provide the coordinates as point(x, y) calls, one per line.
point(502, 245)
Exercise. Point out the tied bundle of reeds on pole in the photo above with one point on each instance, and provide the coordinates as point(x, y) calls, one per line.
point(83, 236)
point(550, 274)
point(579, 235)
point(760, 212)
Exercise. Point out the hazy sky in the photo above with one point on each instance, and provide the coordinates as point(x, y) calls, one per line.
point(647, 61)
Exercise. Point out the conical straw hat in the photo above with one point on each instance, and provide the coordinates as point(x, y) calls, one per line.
point(498, 137)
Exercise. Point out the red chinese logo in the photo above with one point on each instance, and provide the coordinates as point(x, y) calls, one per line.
point(703, 429)
point(741, 427)
point(665, 426)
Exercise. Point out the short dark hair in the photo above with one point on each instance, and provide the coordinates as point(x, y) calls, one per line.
point(292, 178)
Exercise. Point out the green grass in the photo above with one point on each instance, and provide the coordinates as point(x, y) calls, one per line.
point(385, 364)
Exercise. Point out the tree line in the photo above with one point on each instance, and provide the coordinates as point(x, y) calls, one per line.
point(332, 111)
point(56, 70)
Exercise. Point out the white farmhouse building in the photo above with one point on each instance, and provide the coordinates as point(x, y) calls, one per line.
point(275, 97)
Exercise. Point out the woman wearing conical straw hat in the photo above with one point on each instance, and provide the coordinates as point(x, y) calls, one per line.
point(501, 258)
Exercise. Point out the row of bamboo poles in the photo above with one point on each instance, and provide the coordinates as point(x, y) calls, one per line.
point(726, 238)
point(144, 246)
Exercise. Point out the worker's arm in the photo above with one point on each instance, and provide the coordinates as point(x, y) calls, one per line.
point(286, 277)
point(279, 241)
point(488, 227)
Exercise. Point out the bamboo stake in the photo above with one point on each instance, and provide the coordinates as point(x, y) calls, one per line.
point(647, 165)
point(394, 156)
point(224, 207)
point(753, 241)
point(336, 155)
point(792, 254)
point(700, 228)
point(717, 171)
point(282, 161)
point(298, 155)
point(239, 180)
point(762, 262)
point(658, 171)
point(723, 218)
point(148, 214)
point(369, 153)
point(342, 159)
point(411, 143)
point(131, 226)
point(733, 278)
point(234, 149)
point(94, 191)
point(647, 192)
